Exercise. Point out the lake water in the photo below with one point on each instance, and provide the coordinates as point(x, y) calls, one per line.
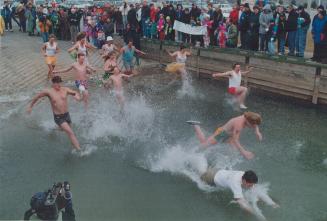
point(146, 163)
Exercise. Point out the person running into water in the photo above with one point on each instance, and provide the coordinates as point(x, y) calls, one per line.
point(116, 81)
point(237, 181)
point(109, 47)
point(128, 52)
point(235, 88)
point(58, 99)
point(81, 46)
point(109, 65)
point(81, 76)
point(49, 50)
point(178, 67)
point(231, 131)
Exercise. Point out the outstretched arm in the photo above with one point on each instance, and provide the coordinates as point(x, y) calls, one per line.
point(72, 48)
point(217, 74)
point(35, 99)
point(247, 71)
point(258, 133)
point(235, 141)
point(63, 70)
point(139, 51)
point(172, 54)
point(74, 93)
point(43, 49)
point(92, 69)
point(245, 206)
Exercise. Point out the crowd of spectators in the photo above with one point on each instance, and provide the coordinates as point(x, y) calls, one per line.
point(264, 27)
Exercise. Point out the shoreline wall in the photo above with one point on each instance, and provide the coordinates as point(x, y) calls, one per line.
point(287, 76)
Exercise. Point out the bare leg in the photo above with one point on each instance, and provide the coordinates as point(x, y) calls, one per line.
point(66, 127)
point(86, 99)
point(50, 71)
point(121, 100)
point(200, 135)
point(241, 94)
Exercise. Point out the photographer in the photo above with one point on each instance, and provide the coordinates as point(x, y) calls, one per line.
point(48, 205)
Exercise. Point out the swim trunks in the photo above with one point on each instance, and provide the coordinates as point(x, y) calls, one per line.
point(222, 135)
point(106, 75)
point(62, 118)
point(232, 90)
point(83, 83)
point(51, 60)
point(128, 65)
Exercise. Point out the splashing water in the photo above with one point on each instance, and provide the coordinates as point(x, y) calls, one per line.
point(187, 87)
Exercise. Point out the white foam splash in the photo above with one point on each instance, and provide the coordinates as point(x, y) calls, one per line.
point(87, 150)
point(324, 162)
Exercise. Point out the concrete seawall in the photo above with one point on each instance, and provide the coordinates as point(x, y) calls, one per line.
point(287, 76)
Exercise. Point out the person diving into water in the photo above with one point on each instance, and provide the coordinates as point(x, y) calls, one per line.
point(237, 182)
point(231, 131)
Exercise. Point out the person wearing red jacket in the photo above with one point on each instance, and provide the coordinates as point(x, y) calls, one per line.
point(234, 14)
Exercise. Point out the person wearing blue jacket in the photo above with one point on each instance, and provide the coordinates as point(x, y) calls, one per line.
point(318, 24)
point(6, 14)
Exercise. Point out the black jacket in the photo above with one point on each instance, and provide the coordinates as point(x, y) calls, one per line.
point(291, 23)
point(307, 19)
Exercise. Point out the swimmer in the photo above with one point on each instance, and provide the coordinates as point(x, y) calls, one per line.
point(128, 54)
point(109, 65)
point(236, 181)
point(109, 47)
point(81, 46)
point(81, 76)
point(181, 57)
point(49, 50)
point(116, 80)
point(58, 99)
point(231, 131)
point(235, 88)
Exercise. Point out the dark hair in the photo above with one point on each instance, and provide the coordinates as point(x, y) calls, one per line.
point(56, 80)
point(80, 36)
point(52, 36)
point(80, 54)
point(250, 177)
point(130, 40)
point(234, 65)
point(182, 46)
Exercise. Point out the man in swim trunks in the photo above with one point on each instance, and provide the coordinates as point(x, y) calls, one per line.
point(128, 55)
point(235, 88)
point(81, 76)
point(236, 181)
point(231, 131)
point(58, 99)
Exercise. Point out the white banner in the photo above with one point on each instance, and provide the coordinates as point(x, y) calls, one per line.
point(188, 29)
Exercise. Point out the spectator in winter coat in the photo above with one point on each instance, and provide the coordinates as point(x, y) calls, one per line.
point(281, 34)
point(6, 15)
point(254, 29)
point(186, 18)
point(303, 23)
point(244, 25)
point(317, 31)
point(232, 34)
point(124, 9)
point(233, 16)
point(145, 15)
point(265, 18)
point(291, 27)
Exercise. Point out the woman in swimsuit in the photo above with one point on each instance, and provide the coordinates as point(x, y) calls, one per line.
point(81, 46)
point(49, 50)
point(178, 67)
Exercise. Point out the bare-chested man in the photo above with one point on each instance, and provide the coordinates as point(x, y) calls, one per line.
point(58, 99)
point(116, 80)
point(81, 76)
point(230, 132)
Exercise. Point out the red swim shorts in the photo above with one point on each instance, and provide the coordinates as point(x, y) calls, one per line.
point(232, 90)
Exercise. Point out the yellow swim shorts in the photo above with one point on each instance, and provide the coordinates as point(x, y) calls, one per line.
point(51, 60)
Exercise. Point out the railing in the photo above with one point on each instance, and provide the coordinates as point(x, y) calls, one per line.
point(291, 76)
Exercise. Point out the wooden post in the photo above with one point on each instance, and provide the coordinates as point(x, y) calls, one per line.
point(247, 62)
point(160, 49)
point(316, 86)
point(197, 63)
